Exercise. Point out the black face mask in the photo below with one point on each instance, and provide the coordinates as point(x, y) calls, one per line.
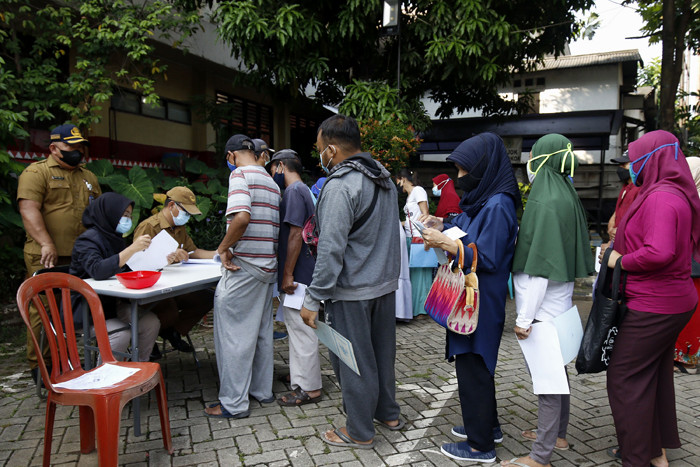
point(468, 182)
point(72, 158)
point(623, 174)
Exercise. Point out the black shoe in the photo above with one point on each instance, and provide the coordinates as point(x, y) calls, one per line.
point(176, 341)
point(155, 353)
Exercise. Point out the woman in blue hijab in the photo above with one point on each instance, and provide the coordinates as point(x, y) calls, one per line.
point(488, 217)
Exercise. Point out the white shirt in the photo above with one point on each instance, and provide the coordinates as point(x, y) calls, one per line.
point(540, 298)
point(412, 210)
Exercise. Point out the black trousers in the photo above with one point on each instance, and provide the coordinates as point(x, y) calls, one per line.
point(477, 395)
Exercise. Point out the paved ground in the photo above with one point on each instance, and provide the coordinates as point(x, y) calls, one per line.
point(275, 436)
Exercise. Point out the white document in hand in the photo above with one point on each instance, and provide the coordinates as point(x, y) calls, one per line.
point(570, 333)
point(156, 255)
point(295, 300)
point(337, 344)
point(543, 357)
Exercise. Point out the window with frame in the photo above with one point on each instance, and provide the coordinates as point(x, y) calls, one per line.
point(241, 116)
point(124, 100)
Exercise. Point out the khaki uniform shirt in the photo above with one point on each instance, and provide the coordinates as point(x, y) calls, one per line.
point(63, 195)
point(154, 224)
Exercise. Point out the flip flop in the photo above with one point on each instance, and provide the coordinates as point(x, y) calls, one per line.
point(298, 397)
point(347, 442)
point(397, 427)
point(614, 452)
point(534, 432)
point(514, 461)
point(225, 413)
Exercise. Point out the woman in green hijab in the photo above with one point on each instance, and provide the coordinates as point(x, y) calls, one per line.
point(553, 249)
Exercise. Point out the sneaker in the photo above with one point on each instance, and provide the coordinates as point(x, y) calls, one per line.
point(460, 432)
point(463, 452)
point(277, 335)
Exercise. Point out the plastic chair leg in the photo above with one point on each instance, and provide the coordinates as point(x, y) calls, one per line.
point(87, 429)
point(48, 431)
point(162, 398)
point(194, 351)
point(107, 420)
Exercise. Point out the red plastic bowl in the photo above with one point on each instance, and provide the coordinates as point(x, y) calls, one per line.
point(138, 279)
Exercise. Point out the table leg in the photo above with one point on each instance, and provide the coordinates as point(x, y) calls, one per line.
point(136, 402)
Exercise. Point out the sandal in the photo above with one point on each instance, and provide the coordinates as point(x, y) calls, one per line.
point(297, 397)
point(346, 441)
point(688, 370)
point(531, 435)
point(396, 427)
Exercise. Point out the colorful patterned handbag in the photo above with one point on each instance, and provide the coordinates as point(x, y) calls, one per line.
point(453, 300)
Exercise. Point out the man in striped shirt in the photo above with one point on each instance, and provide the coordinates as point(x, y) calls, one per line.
point(243, 300)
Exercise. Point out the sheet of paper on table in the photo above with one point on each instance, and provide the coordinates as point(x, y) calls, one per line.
point(156, 255)
point(295, 300)
point(337, 344)
point(201, 261)
point(543, 356)
point(569, 332)
point(102, 377)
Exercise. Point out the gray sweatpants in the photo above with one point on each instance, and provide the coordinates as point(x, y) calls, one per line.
point(243, 339)
point(370, 325)
point(552, 422)
point(304, 360)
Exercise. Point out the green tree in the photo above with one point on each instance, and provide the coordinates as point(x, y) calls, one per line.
point(458, 52)
point(676, 24)
point(67, 57)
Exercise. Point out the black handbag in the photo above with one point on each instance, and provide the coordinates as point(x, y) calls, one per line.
point(603, 326)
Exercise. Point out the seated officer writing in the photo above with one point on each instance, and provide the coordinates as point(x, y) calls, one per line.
point(178, 315)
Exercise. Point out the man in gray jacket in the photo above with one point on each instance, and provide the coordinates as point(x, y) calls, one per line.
point(356, 275)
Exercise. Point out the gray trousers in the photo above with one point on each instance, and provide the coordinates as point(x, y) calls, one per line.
point(304, 361)
point(370, 325)
point(243, 339)
point(552, 422)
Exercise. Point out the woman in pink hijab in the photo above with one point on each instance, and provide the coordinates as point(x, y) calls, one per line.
point(656, 239)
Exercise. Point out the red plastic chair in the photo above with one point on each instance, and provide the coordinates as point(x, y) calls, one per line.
point(100, 407)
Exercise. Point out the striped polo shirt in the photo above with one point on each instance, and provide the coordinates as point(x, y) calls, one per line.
point(251, 189)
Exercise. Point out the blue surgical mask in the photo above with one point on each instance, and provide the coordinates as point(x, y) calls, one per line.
point(326, 168)
point(124, 225)
point(182, 217)
point(231, 166)
point(436, 192)
point(635, 175)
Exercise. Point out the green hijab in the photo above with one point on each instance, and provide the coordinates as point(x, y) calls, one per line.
point(553, 240)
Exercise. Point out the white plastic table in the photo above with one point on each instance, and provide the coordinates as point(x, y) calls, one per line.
point(174, 281)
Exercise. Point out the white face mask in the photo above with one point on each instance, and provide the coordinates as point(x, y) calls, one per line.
point(530, 174)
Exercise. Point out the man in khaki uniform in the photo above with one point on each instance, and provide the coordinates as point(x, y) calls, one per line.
point(52, 195)
point(178, 315)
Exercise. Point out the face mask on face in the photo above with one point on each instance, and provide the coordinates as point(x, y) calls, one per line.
point(436, 192)
point(437, 189)
point(124, 225)
point(279, 180)
point(634, 175)
point(231, 166)
point(530, 174)
point(72, 158)
point(325, 168)
point(468, 182)
point(182, 217)
point(623, 174)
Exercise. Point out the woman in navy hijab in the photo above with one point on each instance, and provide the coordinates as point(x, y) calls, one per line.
point(488, 217)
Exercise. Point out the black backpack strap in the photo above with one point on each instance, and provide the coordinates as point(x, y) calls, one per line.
point(368, 212)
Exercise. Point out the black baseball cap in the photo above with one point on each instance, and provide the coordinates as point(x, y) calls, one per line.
point(238, 143)
point(623, 159)
point(261, 145)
